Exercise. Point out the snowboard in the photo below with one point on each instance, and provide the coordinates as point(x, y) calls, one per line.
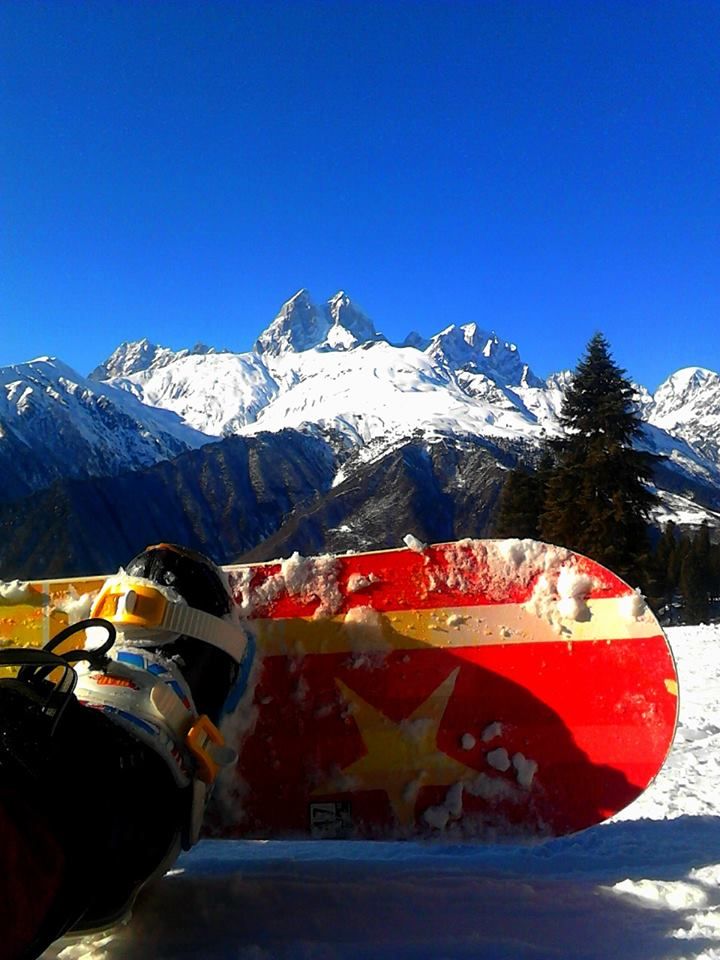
point(480, 690)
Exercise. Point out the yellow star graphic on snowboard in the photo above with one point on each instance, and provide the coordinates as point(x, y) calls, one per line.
point(402, 757)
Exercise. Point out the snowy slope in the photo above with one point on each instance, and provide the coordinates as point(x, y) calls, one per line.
point(368, 392)
point(644, 886)
point(380, 391)
point(54, 422)
point(218, 394)
point(687, 405)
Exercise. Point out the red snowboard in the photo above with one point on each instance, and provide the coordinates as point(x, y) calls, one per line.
point(474, 690)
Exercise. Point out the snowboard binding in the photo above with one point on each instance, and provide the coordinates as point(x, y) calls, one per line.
point(140, 704)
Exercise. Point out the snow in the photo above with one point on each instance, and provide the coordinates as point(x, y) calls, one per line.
point(77, 607)
point(18, 591)
point(687, 405)
point(644, 886)
point(327, 367)
point(682, 511)
point(218, 394)
point(499, 759)
point(573, 589)
point(633, 606)
point(491, 732)
point(311, 579)
point(412, 543)
point(525, 769)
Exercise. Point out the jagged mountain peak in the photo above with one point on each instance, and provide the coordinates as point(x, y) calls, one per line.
point(687, 405)
point(469, 348)
point(134, 356)
point(417, 340)
point(303, 325)
point(684, 384)
point(299, 325)
point(350, 326)
point(129, 357)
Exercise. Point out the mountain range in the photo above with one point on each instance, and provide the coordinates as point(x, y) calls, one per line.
point(324, 436)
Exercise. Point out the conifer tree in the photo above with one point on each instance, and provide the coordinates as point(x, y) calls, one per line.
point(520, 505)
point(702, 549)
point(663, 578)
point(597, 499)
point(693, 586)
point(696, 576)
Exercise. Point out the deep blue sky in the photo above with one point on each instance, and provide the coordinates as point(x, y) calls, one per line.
point(178, 169)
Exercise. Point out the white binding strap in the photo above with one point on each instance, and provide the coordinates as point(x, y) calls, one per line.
point(132, 603)
point(222, 634)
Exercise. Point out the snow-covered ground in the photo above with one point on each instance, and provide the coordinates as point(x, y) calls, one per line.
point(644, 886)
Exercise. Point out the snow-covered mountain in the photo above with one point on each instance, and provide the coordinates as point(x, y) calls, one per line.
point(55, 423)
point(302, 325)
point(142, 355)
point(216, 393)
point(325, 371)
point(474, 350)
point(327, 367)
point(687, 405)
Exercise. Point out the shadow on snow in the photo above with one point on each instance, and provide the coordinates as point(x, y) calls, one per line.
point(322, 900)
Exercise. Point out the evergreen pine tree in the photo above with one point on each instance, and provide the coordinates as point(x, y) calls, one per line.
point(693, 586)
point(667, 557)
point(597, 499)
point(703, 551)
point(714, 571)
point(663, 579)
point(520, 505)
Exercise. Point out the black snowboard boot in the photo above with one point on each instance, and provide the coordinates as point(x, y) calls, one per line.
point(126, 742)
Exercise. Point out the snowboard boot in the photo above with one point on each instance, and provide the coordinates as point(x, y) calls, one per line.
point(131, 727)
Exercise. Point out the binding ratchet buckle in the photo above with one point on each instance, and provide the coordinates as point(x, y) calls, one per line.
point(129, 602)
point(207, 745)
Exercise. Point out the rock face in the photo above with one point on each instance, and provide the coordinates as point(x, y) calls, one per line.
point(331, 438)
point(302, 325)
